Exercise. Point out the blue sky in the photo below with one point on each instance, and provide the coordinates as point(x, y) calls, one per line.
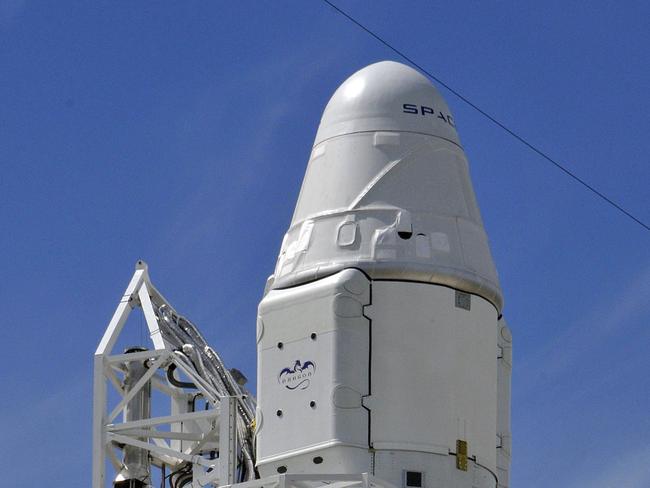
point(179, 132)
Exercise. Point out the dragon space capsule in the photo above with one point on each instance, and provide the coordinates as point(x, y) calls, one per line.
point(381, 347)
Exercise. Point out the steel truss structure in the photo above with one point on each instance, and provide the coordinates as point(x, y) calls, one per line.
point(208, 447)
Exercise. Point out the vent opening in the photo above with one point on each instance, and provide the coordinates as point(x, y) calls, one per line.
point(413, 479)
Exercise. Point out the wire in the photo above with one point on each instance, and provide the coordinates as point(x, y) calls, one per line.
point(492, 118)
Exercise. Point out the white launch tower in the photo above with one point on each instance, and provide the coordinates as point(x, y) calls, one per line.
point(383, 358)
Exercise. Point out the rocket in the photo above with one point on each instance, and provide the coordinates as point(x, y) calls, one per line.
point(380, 340)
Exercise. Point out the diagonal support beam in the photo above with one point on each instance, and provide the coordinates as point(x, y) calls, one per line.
point(150, 317)
point(110, 374)
point(122, 439)
point(121, 314)
point(138, 386)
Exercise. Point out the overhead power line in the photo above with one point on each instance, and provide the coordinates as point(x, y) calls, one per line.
point(492, 119)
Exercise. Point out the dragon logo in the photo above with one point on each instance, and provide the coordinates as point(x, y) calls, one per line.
point(297, 377)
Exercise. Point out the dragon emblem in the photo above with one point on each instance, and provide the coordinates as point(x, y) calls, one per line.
point(297, 377)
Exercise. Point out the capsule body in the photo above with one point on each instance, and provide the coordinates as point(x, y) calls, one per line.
point(378, 335)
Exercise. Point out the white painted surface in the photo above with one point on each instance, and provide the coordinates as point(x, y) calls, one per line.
point(374, 168)
point(386, 231)
point(330, 369)
point(439, 471)
point(504, 373)
point(434, 371)
point(425, 369)
point(372, 98)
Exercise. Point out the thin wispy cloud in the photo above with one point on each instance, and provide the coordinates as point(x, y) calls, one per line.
point(190, 223)
point(580, 339)
point(629, 468)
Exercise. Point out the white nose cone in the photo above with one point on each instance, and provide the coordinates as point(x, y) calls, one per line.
point(387, 190)
point(387, 96)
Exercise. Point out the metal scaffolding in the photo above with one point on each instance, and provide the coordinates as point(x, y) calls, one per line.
point(214, 446)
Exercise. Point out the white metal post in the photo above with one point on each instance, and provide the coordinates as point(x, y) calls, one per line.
point(99, 417)
point(227, 440)
point(99, 380)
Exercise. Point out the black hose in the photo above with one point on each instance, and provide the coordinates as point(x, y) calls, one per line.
point(178, 383)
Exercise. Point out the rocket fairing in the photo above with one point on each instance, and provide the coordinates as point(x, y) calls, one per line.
point(381, 347)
